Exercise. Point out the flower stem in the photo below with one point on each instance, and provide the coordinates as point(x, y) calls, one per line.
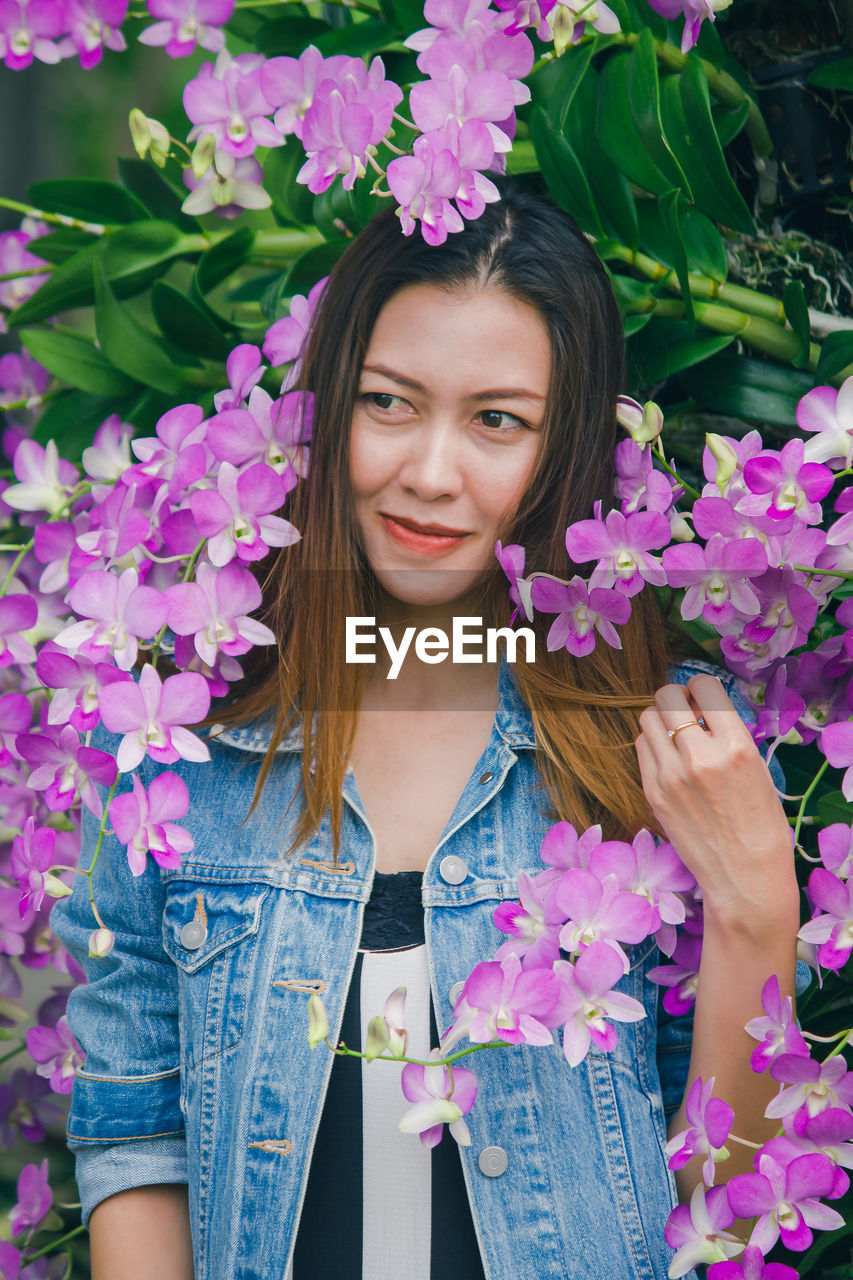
point(744, 1142)
point(16, 563)
point(808, 793)
point(688, 488)
point(29, 271)
point(343, 1051)
point(97, 853)
point(55, 1244)
point(57, 219)
point(12, 1053)
point(845, 1037)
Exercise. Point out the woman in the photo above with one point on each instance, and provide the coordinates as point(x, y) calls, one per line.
point(463, 395)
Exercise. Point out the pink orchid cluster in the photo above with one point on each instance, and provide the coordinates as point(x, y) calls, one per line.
point(50, 30)
point(794, 1172)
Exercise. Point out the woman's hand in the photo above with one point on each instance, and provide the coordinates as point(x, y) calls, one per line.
point(714, 798)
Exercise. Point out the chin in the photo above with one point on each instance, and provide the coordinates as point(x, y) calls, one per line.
point(427, 586)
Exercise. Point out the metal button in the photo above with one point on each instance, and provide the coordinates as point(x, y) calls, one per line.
point(455, 992)
point(493, 1162)
point(487, 776)
point(193, 935)
point(453, 870)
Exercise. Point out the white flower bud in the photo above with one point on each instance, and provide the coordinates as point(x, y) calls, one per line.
point(318, 1023)
point(56, 888)
point(101, 943)
point(724, 456)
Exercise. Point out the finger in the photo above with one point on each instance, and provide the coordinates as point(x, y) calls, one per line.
point(676, 709)
point(648, 769)
point(708, 697)
point(655, 732)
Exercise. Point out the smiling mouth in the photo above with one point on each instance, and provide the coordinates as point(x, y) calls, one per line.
point(418, 540)
point(430, 530)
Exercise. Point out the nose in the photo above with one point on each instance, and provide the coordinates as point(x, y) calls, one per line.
point(432, 467)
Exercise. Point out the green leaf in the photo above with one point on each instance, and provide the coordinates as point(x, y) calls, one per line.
point(131, 258)
point(57, 246)
point(291, 200)
point(669, 212)
point(369, 36)
point(187, 324)
point(289, 34)
point(689, 124)
point(644, 97)
point(76, 361)
point(797, 315)
point(128, 345)
point(555, 84)
point(749, 388)
point(702, 242)
point(160, 198)
point(618, 133)
point(91, 199)
point(563, 173)
point(522, 158)
point(834, 808)
point(302, 275)
point(728, 121)
point(610, 189)
point(221, 259)
point(833, 75)
point(73, 419)
point(668, 346)
point(836, 354)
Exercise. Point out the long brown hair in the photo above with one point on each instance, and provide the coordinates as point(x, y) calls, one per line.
point(585, 711)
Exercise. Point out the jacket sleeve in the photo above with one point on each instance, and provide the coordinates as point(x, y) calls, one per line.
point(675, 1033)
point(125, 1122)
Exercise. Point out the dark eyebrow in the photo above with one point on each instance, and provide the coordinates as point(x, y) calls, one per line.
point(499, 393)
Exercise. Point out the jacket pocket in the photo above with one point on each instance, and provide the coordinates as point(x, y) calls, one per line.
point(210, 931)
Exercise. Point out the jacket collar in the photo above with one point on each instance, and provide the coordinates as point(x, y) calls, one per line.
point(513, 722)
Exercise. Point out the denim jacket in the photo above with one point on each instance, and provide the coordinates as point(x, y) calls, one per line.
point(198, 1067)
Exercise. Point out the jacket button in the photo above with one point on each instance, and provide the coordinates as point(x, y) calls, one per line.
point(455, 992)
point(487, 776)
point(493, 1162)
point(193, 935)
point(453, 870)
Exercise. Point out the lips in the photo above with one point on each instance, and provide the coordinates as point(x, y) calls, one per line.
point(439, 530)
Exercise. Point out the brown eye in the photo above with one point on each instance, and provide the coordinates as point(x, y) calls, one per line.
point(501, 421)
point(381, 399)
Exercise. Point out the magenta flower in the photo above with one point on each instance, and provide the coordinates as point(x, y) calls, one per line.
point(10, 1261)
point(777, 1030)
point(621, 545)
point(94, 25)
point(439, 1098)
point(751, 1267)
point(29, 30)
point(16, 714)
point(55, 546)
point(31, 859)
point(269, 431)
point(511, 560)
point(176, 456)
point(653, 871)
point(34, 1198)
point(185, 23)
point(18, 613)
point(45, 478)
point(26, 1108)
point(710, 1122)
point(290, 84)
point(152, 717)
point(227, 188)
point(286, 337)
point(487, 96)
point(695, 11)
point(451, 17)
point(562, 848)
point(62, 769)
point(214, 611)
point(638, 484)
point(226, 100)
point(244, 370)
point(597, 911)
point(117, 527)
point(829, 1132)
point(117, 612)
point(698, 1232)
point(423, 185)
point(501, 1002)
point(792, 486)
point(56, 1054)
point(588, 1000)
point(813, 1085)
point(785, 1199)
point(682, 976)
point(835, 843)
point(533, 923)
point(77, 682)
point(347, 116)
point(828, 414)
point(108, 456)
point(143, 821)
point(580, 613)
point(14, 257)
point(716, 577)
point(834, 928)
point(237, 517)
point(836, 743)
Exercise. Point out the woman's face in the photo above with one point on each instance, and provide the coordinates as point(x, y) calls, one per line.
point(445, 431)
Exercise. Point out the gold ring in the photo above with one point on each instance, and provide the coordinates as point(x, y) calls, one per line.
point(672, 732)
